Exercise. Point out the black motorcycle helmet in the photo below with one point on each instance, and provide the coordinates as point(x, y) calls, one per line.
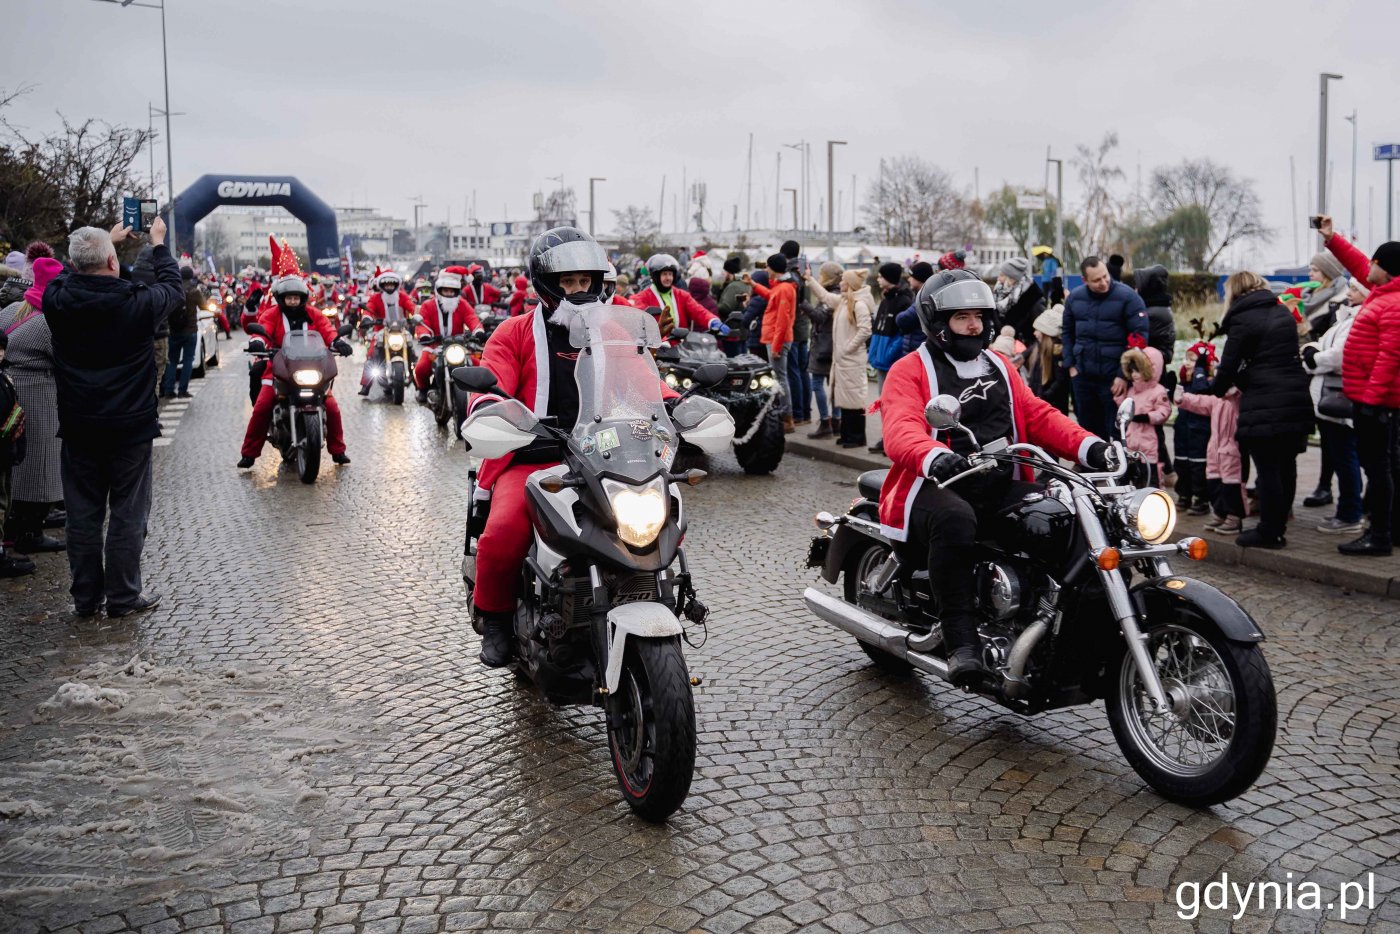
point(658, 264)
point(561, 250)
point(291, 285)
point(948, 292)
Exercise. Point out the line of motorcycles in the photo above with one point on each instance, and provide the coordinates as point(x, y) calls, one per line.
point(1077, 599)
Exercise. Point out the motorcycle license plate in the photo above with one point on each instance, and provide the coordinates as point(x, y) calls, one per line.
point(816, 554)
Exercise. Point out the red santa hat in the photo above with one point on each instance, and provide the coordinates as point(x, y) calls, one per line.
point(284, 259)
point(447, 279)
point(698, 254)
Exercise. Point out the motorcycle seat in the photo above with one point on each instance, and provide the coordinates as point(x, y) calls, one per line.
point(869, 483)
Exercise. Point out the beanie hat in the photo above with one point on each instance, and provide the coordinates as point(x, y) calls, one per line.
point(186, 273)
point(921, 272)
point(1360, 286)
point(1017, 267)
point(778, 262)
point(954, 259)
point(1050, 321)
point(1328, 265)
point(791, 249)
point(1005, 344)
point(891, 273)
point(1387, 256)
point(15, 260)
point(829, 273)
point(37, 249)
point(45, 269)
point(733, 264)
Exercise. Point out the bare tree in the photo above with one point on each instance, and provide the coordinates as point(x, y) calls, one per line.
point(919, 205)
point(1199, 189)
point(212, 237)
point(1099, 214)
point(635, 228)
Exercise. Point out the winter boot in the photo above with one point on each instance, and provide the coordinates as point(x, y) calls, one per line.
point(497, 640)
point(823, 429)
point(788, 425)
point(1368, 545)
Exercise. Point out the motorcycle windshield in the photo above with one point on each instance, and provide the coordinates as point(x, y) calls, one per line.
point(622, 426)
point(303, 345)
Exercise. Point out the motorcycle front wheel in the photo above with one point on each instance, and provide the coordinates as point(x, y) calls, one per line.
point(309, 451)
point(1215, 739)
point(442, 408)
point(651, 728)
point(396, 381)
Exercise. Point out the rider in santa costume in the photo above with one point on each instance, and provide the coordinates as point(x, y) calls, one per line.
point(461, 320)
point(290, 310)
point(389, 296)
point(673, 307)
point(478, 291)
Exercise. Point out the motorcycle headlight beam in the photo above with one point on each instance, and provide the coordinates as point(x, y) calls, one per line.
point(1152, 513)
point(640, 510)
point(454, 355)
point(767, 381)
point(306, 377)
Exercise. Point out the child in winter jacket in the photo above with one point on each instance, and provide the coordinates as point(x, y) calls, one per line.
point(1223, 477)
point(1151, 404)
point(1192, 433)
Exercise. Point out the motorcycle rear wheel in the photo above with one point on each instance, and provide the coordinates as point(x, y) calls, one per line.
point(309, 452)
point(1218, 736)
point(859, 564)
point(651, 728)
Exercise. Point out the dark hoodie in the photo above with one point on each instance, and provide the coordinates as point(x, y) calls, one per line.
point(1152, 286)
point(700, 291)
point(104, 362)
point(753, 312)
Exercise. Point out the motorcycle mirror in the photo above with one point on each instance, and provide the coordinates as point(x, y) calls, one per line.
point(679, 334)
point(709, 375)
point(474, 378)
point(942, 412)
point(1125, 415)
point(255, 328)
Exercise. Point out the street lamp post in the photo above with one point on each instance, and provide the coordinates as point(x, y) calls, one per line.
point(590, 202)
point(1352, 120)
point(1322, 141)
point(794, 206)
point(802, 175)
point(1059, 205)
point(831, 145)
point(165, 68)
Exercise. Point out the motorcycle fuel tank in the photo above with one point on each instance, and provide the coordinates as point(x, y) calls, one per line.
point(1039, 525)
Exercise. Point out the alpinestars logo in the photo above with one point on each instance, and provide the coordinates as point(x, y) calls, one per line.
point(977, 390)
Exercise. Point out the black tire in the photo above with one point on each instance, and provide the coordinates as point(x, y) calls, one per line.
point(309, 452)
point(197, 371)
point(1251, 722)
point(396, 382)
point(443, 411)
point(762, 453)
point(859, 563)
point(459, 411)
point(654, 767)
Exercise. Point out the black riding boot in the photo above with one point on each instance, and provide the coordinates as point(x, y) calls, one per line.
point(950, 573)
point(497, 640)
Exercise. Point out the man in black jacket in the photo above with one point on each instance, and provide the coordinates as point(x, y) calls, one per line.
point(104, 366)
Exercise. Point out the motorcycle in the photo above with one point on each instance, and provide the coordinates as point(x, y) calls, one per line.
point(446, 398)
point(1063, 622)
point(749, 392)
point(605, 585)
point(303, 370)
point(393, 359)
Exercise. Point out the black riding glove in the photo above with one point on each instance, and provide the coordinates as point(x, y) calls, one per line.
point(1310, 356)
point(341, 346)
point(1100, 457)
point(947, 464)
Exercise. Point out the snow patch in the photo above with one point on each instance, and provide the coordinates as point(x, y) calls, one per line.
point(78, 695)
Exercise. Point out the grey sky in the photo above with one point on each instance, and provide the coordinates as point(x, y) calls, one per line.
point(386, 101)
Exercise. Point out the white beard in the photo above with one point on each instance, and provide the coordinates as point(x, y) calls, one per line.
point(564, 315)
point(448, 305)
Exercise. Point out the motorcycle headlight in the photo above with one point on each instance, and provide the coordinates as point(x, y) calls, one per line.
point(767, 381)
point(306, 377)
point(455, 355)
point(753, 384)
point(210, 306)
point(395, 342)
point(640, 510)
point(672, 381)
point(1152, 513)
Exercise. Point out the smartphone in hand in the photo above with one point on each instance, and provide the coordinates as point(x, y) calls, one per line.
point(139, 213)
point(1315, 222)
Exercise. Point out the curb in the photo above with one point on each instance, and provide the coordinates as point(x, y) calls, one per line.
point(1358, 575)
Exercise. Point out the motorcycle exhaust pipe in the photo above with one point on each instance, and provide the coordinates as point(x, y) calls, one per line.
point(1020, 655)
point(869, 628)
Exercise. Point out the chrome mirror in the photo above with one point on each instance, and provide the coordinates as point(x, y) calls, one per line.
point(943, 412)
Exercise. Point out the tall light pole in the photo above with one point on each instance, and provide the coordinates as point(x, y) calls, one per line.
point(802, 177)
point(165, 68)
point(151, 111)
point(831, 145)
point(590, 202)
point(1352, 227)
point(778, 193)
point(1322, 141)
point(794, 206)
point(1059, 205)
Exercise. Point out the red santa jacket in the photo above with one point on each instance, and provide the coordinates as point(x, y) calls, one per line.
point(488, 295)
point(464, 319)
point(276, 324)
point(517, 298)
point(1371, 355)
point(374, 308)
point(909, 442)
point(689, 312)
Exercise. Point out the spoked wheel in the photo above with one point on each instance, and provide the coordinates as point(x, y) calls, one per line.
point(442, 407)
point(1213, 741)
point(651, 728)
point(309, 451)
point(859, 566)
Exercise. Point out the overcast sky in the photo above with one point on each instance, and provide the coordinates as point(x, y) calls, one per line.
point(377, 103)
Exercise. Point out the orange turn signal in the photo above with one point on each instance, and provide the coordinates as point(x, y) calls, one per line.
point(1197, 549)
point(1107, 559)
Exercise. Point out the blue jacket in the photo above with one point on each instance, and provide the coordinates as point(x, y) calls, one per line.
point(1097, 329)
point(753, 313)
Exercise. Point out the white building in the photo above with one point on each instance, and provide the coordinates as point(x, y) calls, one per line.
point(241, 233)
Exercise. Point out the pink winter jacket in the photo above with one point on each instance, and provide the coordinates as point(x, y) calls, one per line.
point(1149, 398)
point(1223, 451)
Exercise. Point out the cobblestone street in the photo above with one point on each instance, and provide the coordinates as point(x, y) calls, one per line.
point(300, 737)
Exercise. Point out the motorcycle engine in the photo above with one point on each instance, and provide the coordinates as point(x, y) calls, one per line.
point(999, 590)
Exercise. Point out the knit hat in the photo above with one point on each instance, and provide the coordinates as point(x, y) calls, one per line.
point(1360, 286)
point(1017, 267)
point(829, 273)
point(1050, 321)
point(1005, 344)
point(954, 259)
point(1387, 256)
point(1327, 264)
point(37, 249)
point(778, 262)
point(921, 272)
point(15, 260)
point(791, 249)
point(45, 270)
point(733, 264)
point(186, 273)
point(891, 273)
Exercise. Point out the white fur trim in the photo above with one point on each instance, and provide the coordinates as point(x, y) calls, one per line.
point(541, 364)
point(1084, 449)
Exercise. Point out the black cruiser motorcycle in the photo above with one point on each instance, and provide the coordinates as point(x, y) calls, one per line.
point(605, 584)
point(749, 392)
point(303, 370)
point(1076, 601)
